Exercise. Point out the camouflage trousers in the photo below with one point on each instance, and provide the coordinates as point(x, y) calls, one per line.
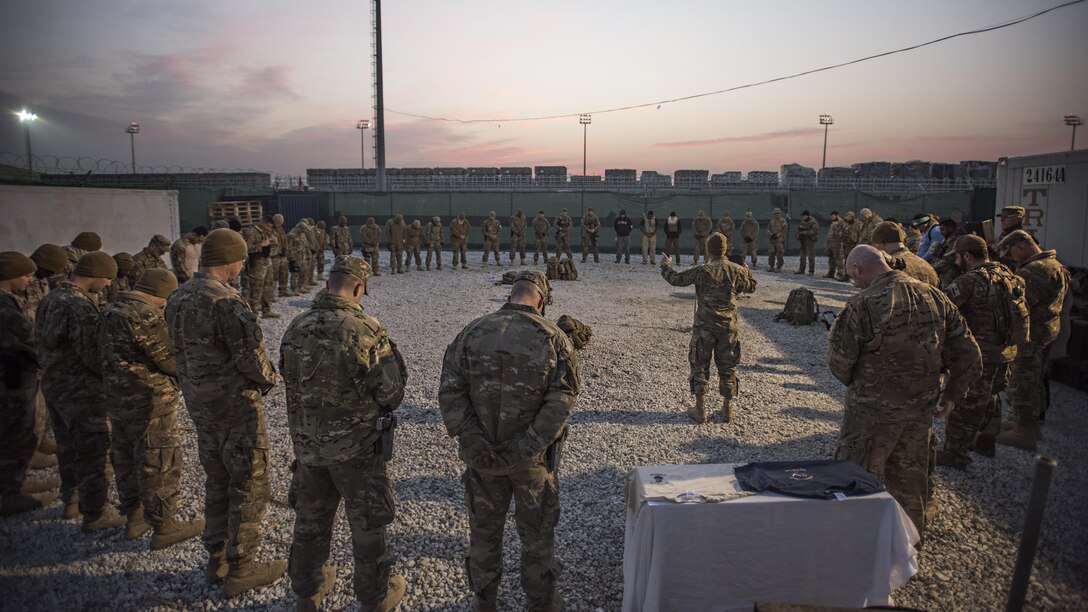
point(83, 441)
point(980, 411)
point(341, 249)
point(562, 245)
point(535, 492)
point(147, 462)
point(396, 259)
point(749, 249)
point(281, 274)
point(236, 490)
point(833, 255)
point(1027, 384)
point(18, 435)
point(435, 249)
point(319, 264)
point(294, 266)
point(672, 249)
point(808, 253)
point(258, 273)
point(517, 245)
point(491, 245)
point(541, 248)
point(895, 452)
point(649, 248)
point(370, 254)
point(269, 292)
point(721, 346)
point(589, 245)
point(775, 250)
point(460, 251)
point(844, 252)
point(367, 492)
point(699, 249)
point(411, 252)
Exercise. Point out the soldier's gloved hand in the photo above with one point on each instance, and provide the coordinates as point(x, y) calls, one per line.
point(476, 451)
point(510, 454)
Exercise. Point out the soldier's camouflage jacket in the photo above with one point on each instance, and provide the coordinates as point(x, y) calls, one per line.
point(341, 240)
point(73, 254)
point(591, 224)
point(371, 236)
point(491, 227)
point(223, 368)
point(808, 231)
point(777, 229)
point(394, 231)
point(701, 227)
point(342, 372)
point(321, 239)
point(66, 339)
point(413, 236)
point(296, 246)
point(254, 236)
point(916, 267)
point(1046, 281)
point(836, 234)
point(518, 223)
point(977, 293)
point(717, 285)
point(434, 233)
point(142, 262)
point(18, 362)
point(541, 225)
point(138, 366)
point(749, 228)
point(726, 225)
point(890, 343)
point(562, 225)
point(38, 288)
point(508, 385)
point(459, 229)
point(177, 260)
point(865, 232)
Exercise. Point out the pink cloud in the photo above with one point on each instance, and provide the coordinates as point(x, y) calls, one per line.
point(765, 137)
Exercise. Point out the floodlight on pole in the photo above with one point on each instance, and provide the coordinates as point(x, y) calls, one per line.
point(26, 117)
point(133, 129)
point(1074, 120)
point(826, 121)
point(584, 119)
point(362, 127)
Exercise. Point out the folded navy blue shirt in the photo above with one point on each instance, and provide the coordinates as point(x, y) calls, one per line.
point(819, 479)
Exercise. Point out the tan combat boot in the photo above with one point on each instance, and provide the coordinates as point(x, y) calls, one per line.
point(48, 444)
point(1020, 436)
point(313, 602)
point(136, 525)
point(41, 460)
point(109, 518)
point(40, 485)
point(394, 593)
point(250, 575)
point(19, 503)
point(216, 569)
point(698, 411)
point(727, 409)
point(172, 532)
point(70, 500)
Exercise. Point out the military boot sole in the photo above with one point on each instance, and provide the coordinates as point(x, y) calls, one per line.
point(180, 532)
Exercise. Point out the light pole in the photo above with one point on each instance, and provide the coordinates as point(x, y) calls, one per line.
point(825, 120)
point(133, 129)
point(584, 119)
point(1073, 120)
point(362, 126)
point(25, 117)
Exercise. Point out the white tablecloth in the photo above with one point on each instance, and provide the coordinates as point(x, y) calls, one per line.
point(766, 547)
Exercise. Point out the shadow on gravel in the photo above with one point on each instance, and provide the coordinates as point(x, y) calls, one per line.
point(624, 417)
point(684, 295)
point(804, 387)
point(429, 488)
point(69, 590)
point(727, 449)
point(803, 412)
point(767, 369)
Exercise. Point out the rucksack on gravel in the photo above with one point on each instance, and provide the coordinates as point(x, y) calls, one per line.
point(801, 308)
point(579, 332)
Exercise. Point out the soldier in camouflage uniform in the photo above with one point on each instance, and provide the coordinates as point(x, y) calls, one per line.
point(518, 225)
point(321, 241)
point(562, 224)
point(344, 376)
point(851, 231)
point(51, 261)
point(1046, 283)
point(591, 233)
point(277, 257)
point(340, 236)
point(648, 227)
point(749, 233)
point(18, 387)
point(296, 256)
point(223, 370)
point(371, 235)
point(701, 227)
point(83, 243)
point(888, 237)
point(120, 283)
point(714, 333)
point(181, 250)
point(139, 373)
point(776, 241)
point(395, 231)
point(149, 258)
point(434, 241)
point(726, 225)
point(508, 385)
point(835, 234)
point(259, 267)
point(869, 221)
point(309, 253)
point(889, 345)
point(541, 225)
point(988, 295)
point(281, 267)
point(807, 233)
point(412, 237)
point(66, 338)
point(459, 229)
point(491, 228)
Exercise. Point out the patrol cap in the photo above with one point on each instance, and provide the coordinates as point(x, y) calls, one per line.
point(223, 247)
point(888, 231)
point(96, 264)
point(14, 264)
point(1012, 240)
point(538, 279)
point(352, 266)
point(1012, 211)
point(970, 242)
point(124, 261)
point(158, 282)
point(88, 241)
point(160, 241)
point(436, 219)
point(50, 257)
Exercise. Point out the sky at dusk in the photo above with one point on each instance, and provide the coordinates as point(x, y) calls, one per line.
point(279, 86)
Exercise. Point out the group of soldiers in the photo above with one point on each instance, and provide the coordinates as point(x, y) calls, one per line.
point(292, 260)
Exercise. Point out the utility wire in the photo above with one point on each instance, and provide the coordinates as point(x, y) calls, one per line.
point(749, 85)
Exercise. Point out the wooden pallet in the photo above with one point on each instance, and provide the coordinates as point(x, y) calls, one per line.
point(248, 212)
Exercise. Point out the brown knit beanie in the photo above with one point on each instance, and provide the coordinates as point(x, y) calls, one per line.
point(96, 264)
point(888, 231)
point(124, 261)
point(88, 241)
point(158, 282)
point(223, 247)
point(51, 258)
point(14, 264)
point(715, 245)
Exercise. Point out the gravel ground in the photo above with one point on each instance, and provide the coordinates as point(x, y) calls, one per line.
point(630, 413)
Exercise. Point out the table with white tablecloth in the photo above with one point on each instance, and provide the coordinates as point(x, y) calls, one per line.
point(732, 548)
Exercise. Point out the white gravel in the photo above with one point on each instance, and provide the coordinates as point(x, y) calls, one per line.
point(630, 413)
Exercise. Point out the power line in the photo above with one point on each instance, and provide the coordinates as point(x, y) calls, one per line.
point(749, 85)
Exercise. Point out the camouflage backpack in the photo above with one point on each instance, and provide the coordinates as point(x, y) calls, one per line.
point(553, 269)
point(579, 332)
point(801, 308)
